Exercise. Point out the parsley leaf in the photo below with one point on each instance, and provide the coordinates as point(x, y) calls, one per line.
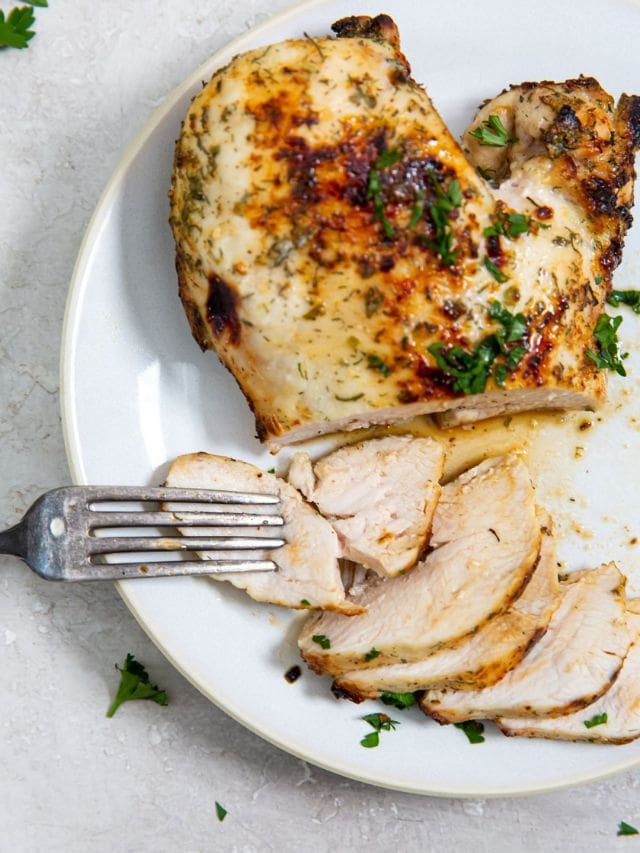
point(492, 132)
point(376, 363)
point(15, 30)
point(597, 720)
point(515, 325)
point(626, 829)
point(372, 654)
point(322, 641)
point(387, 157)
point(606, 334)
point(510, 225)
point(626, 297)
point(473, 730)
point(418, 210)
point(135, 684)
point(495, 271)
point(380, 722)
point(221, 812)
point(398, 700)
point(370, 740)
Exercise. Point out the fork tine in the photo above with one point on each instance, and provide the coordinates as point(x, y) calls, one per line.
point(114, 544)
point(124, 571)
point(96, 494)
point(187, 519)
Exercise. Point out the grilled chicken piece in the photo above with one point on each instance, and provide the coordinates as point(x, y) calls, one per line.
point(574, 664)
point(619, 707)
point(484, 555)
point(308, 573)
point(330, 241)
point(483, 658)
point(378, 495)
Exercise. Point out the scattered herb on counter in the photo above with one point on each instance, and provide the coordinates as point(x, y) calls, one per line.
point(398, 700)
point(495, 271)
point(135, 684)
point(473, 730)
point(372, 654)
point(597, 720)
point(446, 202)
point(15, 29)
point(323, 641)
point(492, 132)
point(626, 829)
point(606, 334)
point(388, 157)
point(624, 297)
point(221, 812)
point(376, 363)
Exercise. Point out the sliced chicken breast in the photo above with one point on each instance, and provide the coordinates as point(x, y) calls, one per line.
point(378, 495)
point(614, 718)
point(484, 557)
point(483, 658)
point(308, 574)
point(575, 662)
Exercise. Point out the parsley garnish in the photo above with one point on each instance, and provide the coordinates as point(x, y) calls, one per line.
point(376, 363)
point(271, 470)
point(135, 684)
point(380, 723)
point(509, 225)
point(398, 700)
point(606, 334)
point(471, 370)
point(418, 210)
point(626, 297)
point(373, 299)
point(221, 812)
point(597, 720)
point(495, 271)
point(15, 30)
point(322, 641)
point(386, 158)
point(492, 132)
point(473, 730)
point(445, 203)
point(372, 654)
point(305, 602)
point(626, 829)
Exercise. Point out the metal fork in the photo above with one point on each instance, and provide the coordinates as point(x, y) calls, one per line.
point(57, 536)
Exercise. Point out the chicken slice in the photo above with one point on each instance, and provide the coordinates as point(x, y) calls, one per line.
point(482, 659)
point(575, 662)
point(620, 706)
point(484, 556)
point(379, 496)
point(308, 574)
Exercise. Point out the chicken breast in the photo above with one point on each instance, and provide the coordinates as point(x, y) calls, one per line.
point(483, 658)
point(379, 496)
point(484, 555)
point(574, 664)
point(308, 574)
point(614, 718)
point(347, 263)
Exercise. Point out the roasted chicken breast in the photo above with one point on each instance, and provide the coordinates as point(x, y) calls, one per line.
point(483, 658)
point(379, 496)
point(574, 664)
point(483, 557)
point(308, 573)
point(349, 265)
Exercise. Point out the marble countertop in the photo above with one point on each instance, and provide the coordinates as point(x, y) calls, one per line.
point(71, 779)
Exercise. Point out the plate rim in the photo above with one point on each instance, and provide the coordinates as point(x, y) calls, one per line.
point(78, 286)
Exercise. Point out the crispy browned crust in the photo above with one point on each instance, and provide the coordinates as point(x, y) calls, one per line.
point(380, 28)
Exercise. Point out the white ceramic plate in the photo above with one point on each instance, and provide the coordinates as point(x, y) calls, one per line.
point(137, 392)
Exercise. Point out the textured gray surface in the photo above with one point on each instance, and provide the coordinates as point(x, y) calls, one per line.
point(71, 780)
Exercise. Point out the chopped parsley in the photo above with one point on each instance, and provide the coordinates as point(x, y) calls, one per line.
point(15, 29)
point(597, 720)
point(492, 132)
point(626, 297)
point(373, 299)
point(388, 157)
point(495, 271)
point(372, 654)
point(221, 812)
point(323, 641)
point(379, 723)
point(510, 225)
point(446, 202)
point(398, 700)
point(470, 370)
point(302, 370)
point(271, 470)
point(135, 684)
point(376, 363)
point(473, 730)
point(606, 334)
point(626, 829)
point(305, 602)
point(418, 210)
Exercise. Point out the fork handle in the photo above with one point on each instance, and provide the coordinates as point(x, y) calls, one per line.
point(12, 541)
